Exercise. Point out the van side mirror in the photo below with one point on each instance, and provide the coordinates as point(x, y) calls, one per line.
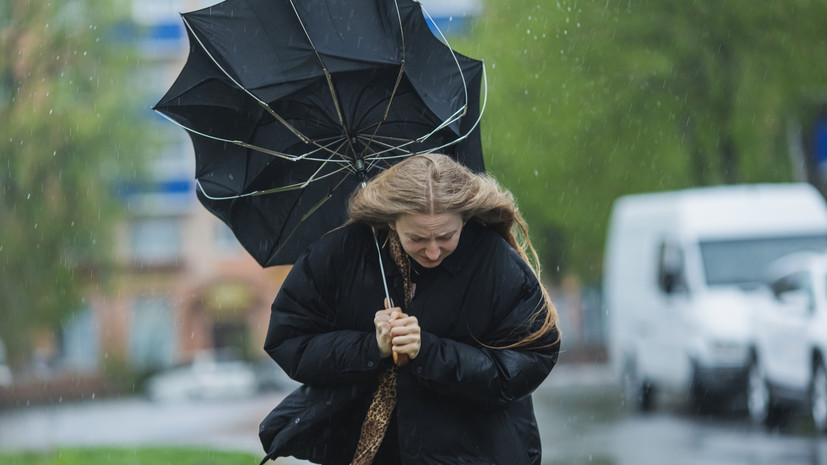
point(670, 281)
point(670, 269)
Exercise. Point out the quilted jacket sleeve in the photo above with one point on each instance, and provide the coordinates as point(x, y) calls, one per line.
point(303, 337)
point(491, 377)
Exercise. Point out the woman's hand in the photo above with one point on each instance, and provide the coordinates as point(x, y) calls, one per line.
point(405, 337)
point(383, 330)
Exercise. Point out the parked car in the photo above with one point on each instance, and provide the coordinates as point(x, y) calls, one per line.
point(210, 375)
point(787, 364)
point(679, 271)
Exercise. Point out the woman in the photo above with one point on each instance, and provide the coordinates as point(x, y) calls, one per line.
point(471, 328)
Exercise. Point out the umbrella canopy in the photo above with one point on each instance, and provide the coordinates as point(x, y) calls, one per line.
point(291, 105)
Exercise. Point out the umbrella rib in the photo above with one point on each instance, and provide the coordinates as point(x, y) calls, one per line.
point(453, 55)
point(262, 103)
point(374, 161)
point(422, 139)
point(308, 213)
point(461, 111)
point(396, 84)
point(382, 137)
point(329, 79)
point(289, 187)
point(387, 108)
point(274, 190)
point(282, 155)
point(388, 146)
point(479, 118)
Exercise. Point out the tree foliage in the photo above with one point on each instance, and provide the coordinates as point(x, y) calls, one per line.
point(589, 100)
point(68, 130)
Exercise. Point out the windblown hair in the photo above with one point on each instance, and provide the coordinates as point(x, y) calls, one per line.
point(436, 184)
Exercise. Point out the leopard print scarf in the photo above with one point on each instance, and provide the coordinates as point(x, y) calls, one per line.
point(381, 407)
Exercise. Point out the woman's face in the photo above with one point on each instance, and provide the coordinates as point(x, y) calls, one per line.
point(428, 239)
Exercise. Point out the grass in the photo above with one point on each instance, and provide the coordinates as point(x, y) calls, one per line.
point(142, 456)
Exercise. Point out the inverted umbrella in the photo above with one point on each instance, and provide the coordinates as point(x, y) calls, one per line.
point(291, 104)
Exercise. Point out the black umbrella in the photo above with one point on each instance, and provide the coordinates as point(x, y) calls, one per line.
point(291, 104)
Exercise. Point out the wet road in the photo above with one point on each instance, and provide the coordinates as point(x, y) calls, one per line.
point(580, 413)
point(587, 423)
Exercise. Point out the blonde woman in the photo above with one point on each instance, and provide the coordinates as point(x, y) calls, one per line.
point(442, 374)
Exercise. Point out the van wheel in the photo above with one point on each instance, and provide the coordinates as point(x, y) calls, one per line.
point(762, 407)
point(639, 393)
point(818, 397)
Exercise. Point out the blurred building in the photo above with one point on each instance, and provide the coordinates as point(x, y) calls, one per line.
point(184, 283)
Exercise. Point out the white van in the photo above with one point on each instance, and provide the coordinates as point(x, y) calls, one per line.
point(679, 272)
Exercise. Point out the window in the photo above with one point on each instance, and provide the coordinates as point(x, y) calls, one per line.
point(744, 261)
point(156, 241)
point(152, 333)
point(225, 240)
point(80, 341)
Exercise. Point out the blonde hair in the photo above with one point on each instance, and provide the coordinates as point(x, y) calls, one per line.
point(435, 184)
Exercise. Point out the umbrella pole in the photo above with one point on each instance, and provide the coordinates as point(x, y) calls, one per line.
point(381, 266)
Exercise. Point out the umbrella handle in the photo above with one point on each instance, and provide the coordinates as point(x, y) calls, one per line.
point(399, 359)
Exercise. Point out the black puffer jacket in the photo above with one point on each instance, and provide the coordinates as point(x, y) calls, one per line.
point(458, 401)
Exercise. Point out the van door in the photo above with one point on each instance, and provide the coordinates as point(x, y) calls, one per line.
point(669, 328)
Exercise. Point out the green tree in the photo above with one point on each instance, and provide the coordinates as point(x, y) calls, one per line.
point(589, 100)
point(68, 131)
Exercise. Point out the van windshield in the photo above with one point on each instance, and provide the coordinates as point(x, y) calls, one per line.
point(744, 261)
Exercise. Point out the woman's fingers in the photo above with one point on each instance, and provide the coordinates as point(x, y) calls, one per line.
point(405, 333)
point(404, 324)
point(381, 321)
